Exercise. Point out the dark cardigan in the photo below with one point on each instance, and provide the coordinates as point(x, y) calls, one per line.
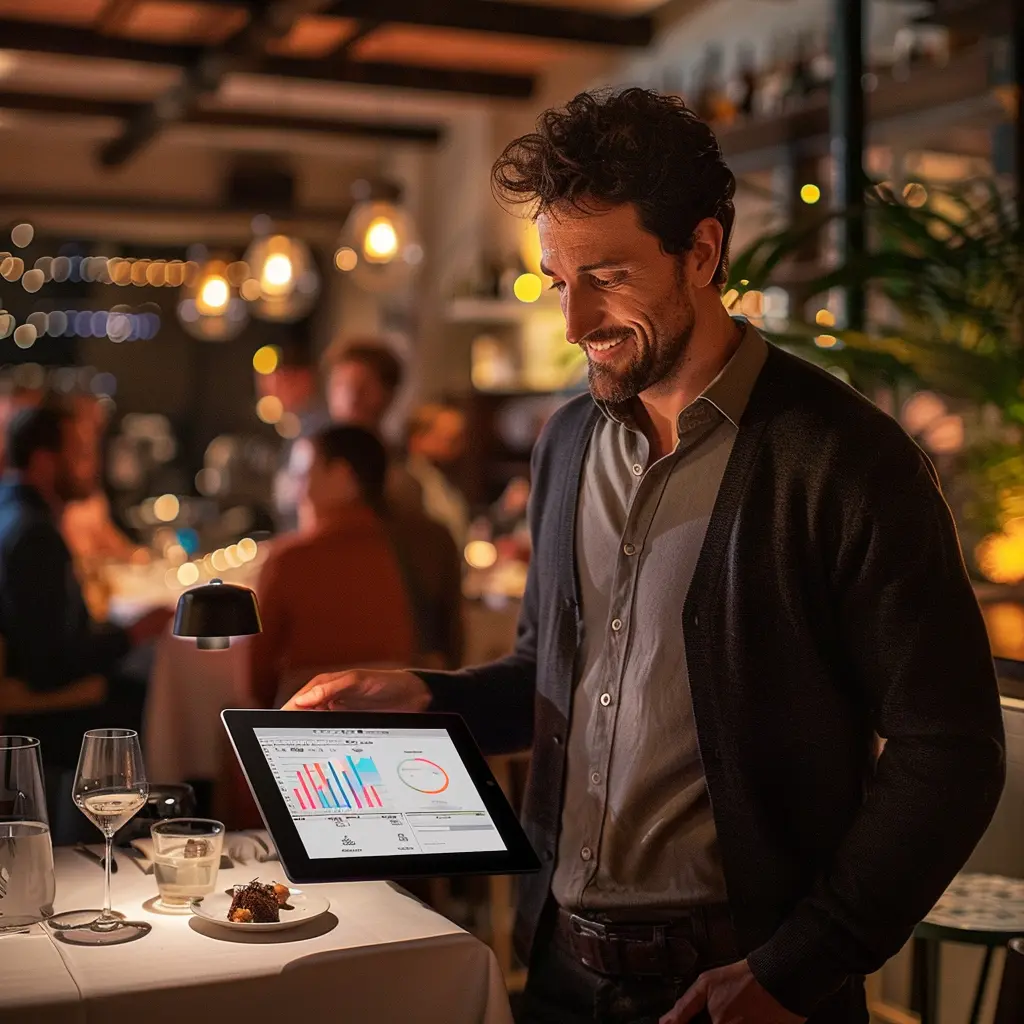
point(829, 603)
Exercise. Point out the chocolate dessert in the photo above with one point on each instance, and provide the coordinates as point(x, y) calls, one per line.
point(255, 903)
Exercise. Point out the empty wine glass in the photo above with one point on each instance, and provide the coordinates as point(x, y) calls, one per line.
point(110, 788)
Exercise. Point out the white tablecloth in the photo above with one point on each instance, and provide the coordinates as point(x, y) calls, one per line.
point(379, 957)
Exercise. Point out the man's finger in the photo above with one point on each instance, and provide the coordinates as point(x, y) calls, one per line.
point(693, 1001)
point(309, 698)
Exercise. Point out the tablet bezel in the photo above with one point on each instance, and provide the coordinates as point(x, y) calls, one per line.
point(518, 857)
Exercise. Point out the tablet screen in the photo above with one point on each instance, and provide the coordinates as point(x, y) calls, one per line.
point(377, 792)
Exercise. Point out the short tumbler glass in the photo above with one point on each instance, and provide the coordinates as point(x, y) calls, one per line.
point(186, 856)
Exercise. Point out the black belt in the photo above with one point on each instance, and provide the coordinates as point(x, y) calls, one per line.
point(678, 949)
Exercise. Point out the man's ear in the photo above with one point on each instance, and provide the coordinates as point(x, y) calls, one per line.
point(706, 252)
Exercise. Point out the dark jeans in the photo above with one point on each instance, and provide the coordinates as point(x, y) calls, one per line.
point(559, 990)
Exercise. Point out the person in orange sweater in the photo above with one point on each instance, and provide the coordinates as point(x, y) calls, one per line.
point(332, 596)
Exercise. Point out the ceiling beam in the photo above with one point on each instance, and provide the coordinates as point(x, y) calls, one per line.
point(21, 36)
point(203, 77)
point(509, 17)
point(70, 106)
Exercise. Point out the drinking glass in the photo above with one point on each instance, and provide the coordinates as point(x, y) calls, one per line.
point(26, 857)
point(110, 787)
point(186, 856)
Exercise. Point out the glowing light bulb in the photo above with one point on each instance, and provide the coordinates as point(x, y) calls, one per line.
point(276, 278)
point(381, 242)
point(528, 287)
point(213, 296)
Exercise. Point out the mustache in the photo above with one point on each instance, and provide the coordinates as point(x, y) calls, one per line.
point(606, 334)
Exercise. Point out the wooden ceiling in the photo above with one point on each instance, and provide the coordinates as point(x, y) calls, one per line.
point(484, 48)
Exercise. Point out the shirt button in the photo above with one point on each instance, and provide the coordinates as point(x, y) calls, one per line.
point(628, 549)
point(606, 699)
point(616, 625)
point(638, 470)
point(586, 853)
point(595, 777)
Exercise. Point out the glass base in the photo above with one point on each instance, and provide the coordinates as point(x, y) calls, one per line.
point(68, 919)
point(174, 904)
point(111, 933)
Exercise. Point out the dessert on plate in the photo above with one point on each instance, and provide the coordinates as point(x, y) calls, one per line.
point(258, 902)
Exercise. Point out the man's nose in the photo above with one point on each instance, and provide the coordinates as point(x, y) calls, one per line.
point(583, 314)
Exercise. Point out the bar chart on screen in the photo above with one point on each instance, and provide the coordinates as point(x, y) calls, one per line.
point(349, 783)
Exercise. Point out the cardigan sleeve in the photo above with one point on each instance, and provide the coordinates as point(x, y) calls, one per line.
point(915, 645)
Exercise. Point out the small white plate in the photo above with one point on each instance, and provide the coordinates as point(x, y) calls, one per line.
point(306, 906)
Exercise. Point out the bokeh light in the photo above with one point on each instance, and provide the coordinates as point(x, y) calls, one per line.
point(188, 574)
point(810, 194)
point(166, 508)
point(269, 408)
point(265, 359)
point(528, 288)
point(481, 554)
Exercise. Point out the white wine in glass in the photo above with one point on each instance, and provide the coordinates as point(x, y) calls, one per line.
point(110, 788)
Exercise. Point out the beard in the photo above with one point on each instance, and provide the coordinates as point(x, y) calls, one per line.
point(649, 366)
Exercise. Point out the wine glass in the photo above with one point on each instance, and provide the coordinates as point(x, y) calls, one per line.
point(110, 788)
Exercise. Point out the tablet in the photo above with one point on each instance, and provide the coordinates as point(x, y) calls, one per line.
point(360, 795)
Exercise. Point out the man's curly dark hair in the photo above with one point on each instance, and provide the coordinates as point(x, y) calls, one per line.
point(634, 146)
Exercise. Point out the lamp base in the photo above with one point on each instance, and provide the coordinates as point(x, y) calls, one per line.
point(213, 643)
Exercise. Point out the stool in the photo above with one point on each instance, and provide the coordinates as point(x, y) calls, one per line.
point(1011, 993)
point(976, 910)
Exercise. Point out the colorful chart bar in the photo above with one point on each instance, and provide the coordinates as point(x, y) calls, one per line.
point(332, 785)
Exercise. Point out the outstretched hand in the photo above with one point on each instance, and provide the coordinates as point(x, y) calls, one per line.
point(730, 995)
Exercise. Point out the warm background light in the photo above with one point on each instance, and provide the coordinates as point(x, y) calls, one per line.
point(810, 194)
point(265, 359)
point(166, 508)
point(276, 278)
point(481, 554)
point(213, 296)
point(381, 242)
point(188, 574)
point(269, 408)
point(825, 318)
point(528, 288)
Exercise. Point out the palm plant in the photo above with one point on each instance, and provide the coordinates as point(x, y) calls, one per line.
point(945, 286)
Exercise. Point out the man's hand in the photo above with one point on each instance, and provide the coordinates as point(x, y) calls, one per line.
point(362, 690)
point(151, 626)
point(731, 995)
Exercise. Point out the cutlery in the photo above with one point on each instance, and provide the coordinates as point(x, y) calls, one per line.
point(95, 857)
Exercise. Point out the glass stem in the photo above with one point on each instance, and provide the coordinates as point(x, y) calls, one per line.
point(106, 877)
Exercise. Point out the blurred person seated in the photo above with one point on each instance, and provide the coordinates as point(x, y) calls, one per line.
point(362, 378)
point(334, 594)
point(83, 674)
point(87, 524)
point(436, 439)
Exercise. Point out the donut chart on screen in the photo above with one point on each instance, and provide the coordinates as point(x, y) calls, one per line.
point(424, 776)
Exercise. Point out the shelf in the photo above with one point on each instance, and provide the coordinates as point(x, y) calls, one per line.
point(495, 311)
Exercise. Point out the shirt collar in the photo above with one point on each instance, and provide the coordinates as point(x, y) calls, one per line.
point(729, 392)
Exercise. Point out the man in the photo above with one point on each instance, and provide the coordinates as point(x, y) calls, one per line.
point(334, 596)
point(362, 380)
point(742, 571)
point(436, 441)
point(51, 644)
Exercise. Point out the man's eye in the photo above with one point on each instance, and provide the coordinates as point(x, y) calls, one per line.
point(605, 282)
point(557, 286)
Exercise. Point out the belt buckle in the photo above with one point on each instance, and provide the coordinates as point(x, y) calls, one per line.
point(590, 940)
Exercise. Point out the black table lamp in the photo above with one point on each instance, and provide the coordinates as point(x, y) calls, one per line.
point(216, 612)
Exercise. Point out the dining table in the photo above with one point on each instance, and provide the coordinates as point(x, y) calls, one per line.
point(378, 955)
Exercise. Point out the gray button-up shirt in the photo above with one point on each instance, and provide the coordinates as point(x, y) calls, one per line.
point(637, 828)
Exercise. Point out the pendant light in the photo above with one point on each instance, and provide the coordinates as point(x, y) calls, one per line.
point(283, 282)
point(210, 308)
point(379, 244)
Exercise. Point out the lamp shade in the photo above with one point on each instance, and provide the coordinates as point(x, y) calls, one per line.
point(215, 612)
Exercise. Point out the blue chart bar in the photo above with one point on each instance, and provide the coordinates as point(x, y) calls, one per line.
point(341, 788)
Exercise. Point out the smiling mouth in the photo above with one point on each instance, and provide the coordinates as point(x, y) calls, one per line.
point(604, 346)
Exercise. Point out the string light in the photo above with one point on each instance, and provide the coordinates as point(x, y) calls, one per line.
point(22, 235)
point(188, 574)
